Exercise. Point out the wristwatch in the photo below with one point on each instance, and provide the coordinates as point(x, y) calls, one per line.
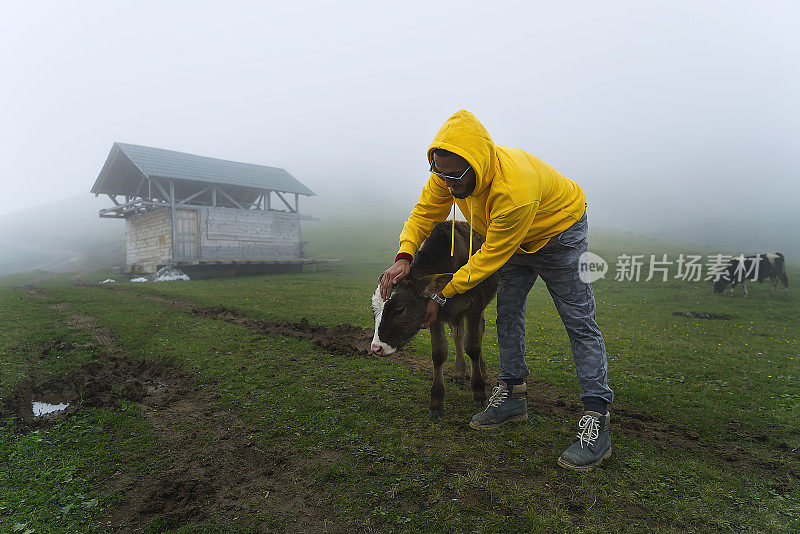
point(437, 299)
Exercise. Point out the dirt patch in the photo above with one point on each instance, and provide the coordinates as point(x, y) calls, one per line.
point(217, 469)
point(99, 384)
point(699, 315)
point(33, 291)
point(342, 339)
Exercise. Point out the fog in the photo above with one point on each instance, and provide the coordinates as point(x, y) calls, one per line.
point(679, 119)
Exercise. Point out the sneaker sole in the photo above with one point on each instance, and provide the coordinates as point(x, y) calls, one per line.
point(587, 467)
point(514, 419)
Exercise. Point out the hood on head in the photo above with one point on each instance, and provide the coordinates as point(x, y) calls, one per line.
point(464, 135)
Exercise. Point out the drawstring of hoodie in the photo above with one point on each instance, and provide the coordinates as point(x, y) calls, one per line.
point(453, 238)
point(453, 232)
point(469, 263)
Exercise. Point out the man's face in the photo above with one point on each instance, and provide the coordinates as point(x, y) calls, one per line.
point(455, 165)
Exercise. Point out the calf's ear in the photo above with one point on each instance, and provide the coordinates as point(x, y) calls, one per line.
point(434, 283)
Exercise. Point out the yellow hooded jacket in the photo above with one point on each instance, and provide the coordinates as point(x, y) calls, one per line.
point(519, 201)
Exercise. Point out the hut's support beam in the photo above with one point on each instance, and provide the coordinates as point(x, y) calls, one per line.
point(214, 196)
point(138, 187)
point(229, 198)
point(187, 199)
point(160, 187)
point(113, 198)
point(284, 201)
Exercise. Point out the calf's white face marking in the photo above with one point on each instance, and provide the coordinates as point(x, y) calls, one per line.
point(378, 346)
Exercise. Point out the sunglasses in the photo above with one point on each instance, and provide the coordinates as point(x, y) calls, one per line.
point(450, 176)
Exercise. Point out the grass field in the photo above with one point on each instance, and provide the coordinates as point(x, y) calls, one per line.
point(189, 417)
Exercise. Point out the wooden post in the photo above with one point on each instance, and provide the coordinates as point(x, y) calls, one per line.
point(172, 215)
point(297, 203)
point(214, 196)
point(269, 200)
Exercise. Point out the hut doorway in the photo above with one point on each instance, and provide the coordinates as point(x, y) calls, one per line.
point(186, 235)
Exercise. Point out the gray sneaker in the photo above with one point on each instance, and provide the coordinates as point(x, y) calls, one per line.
point(504, 407)
point(593, 444)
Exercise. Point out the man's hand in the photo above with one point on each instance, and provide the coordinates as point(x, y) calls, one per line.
point(431, 313)
point(392, 276)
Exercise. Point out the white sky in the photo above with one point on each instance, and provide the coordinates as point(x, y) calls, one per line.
point(655, 108)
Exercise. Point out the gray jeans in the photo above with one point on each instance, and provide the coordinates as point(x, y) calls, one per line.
point(557, 264)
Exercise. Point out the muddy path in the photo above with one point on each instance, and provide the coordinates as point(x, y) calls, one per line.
point(544, 398)
point(216, 469)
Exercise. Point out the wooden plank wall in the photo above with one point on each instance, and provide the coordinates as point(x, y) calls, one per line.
point(227, 233)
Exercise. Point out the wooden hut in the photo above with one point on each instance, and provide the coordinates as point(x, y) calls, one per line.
point(204, 215)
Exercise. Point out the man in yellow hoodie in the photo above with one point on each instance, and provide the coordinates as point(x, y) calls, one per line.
point(534, 222)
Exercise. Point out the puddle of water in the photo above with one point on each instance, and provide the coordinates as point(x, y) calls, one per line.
point(43, 408)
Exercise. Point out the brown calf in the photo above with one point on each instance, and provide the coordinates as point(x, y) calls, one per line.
point(398, 319)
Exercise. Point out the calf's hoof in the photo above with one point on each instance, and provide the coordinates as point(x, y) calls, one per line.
point(434, 414)
point(460, 381)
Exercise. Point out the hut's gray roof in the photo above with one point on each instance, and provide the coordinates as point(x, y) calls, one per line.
point(171, 165)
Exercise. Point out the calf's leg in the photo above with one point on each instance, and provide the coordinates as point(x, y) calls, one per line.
point(483, 362)
point(473, 341)
point(439, 354)
point(460, 375)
